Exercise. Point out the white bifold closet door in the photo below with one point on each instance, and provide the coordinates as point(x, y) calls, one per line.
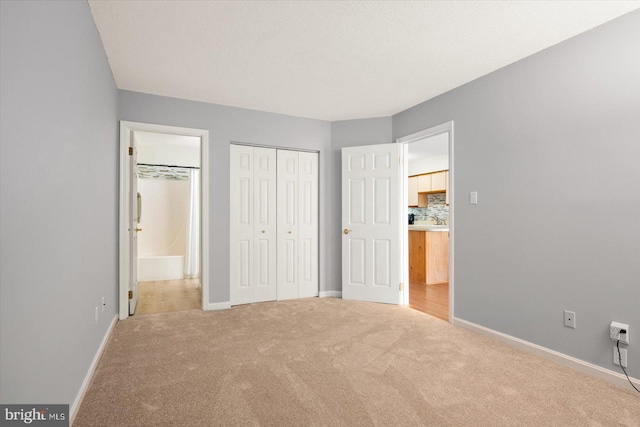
point(253, 224)
point(297, 224)
point(274, 224)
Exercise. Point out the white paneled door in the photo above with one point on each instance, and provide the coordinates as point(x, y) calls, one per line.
point(253, 224)
point(308, 225)
point(134, 228)
point(371, 227)
point(297, 224)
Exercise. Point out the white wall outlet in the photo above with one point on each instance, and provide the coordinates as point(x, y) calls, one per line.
point(570, 319)
point(473, 198)
point(615, 334)
point(96, 318)
point(103, 304)
point(622, 355)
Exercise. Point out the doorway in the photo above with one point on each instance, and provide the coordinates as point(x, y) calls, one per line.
point(163, 219)
point(428, 225)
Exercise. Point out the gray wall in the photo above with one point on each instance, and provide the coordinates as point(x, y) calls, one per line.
point(58, 191)
point(542, 141)
point(227, 124)
point(350, 133)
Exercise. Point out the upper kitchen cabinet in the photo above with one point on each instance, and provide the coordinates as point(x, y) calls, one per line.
point(438, 181)
point(424, 183)
point(413, 191)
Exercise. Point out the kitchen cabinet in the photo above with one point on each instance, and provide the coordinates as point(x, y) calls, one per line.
point(428, 257)
point(437, 257)
point(438, 181)
point(424, 183)
point(417, 260)
point(413, 191)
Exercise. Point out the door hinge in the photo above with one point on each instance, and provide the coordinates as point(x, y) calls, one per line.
point(401, 287)
point(130, 294)
point(131, 151)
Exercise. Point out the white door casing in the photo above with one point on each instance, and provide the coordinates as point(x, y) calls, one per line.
point(253, 224)
point(371, 227)
point(288, 213)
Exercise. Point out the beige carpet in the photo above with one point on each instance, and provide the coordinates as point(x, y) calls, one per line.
point(316, 362)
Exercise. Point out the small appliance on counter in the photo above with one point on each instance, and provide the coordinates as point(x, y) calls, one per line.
point(412, 219)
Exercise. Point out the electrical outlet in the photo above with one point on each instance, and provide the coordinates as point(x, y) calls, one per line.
point(615, 335)
point(96, 318)
point(103, 304)
point(570, 319)
point(622, 355)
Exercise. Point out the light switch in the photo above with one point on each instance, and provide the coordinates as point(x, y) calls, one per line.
point(473, 198)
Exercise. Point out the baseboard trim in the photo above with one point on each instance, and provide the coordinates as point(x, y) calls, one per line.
point(213, 306)
point(579, 365)
point(92, 369)
point(330, 294)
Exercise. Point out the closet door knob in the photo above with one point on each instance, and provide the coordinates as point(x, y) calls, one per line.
point(138, 229)
point(346, 231)
point(289, 231)
point(263, 231)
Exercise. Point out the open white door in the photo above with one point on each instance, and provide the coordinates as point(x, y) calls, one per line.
point(371, 225)
point(134, 217)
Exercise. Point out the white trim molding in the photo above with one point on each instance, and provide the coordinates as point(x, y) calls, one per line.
point(560, 358)
point(73, 411)
point(330, 294)
point(213, 306)
point(126, 131)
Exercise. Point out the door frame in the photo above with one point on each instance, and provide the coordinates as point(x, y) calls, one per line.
point(126, 131)
point(405, 140)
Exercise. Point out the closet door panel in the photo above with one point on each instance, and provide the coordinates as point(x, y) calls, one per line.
point(288, 212)
point(241, 227)
point(265, 226)
point(308, 224)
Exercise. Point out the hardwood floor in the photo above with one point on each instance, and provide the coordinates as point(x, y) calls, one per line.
point(430, 299)
point(168, 295)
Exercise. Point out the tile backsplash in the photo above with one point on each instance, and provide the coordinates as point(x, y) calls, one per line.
point(436, 207)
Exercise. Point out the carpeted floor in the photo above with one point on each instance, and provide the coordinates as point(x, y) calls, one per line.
point(324, 361)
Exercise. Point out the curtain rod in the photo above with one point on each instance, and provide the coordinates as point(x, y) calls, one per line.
point(169, 166)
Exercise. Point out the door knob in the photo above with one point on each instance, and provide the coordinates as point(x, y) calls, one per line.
point(263, 231)
point(289, 231)
point(138, 229)
point(346, 231)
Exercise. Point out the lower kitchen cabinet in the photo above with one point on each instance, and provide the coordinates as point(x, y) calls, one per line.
point(428, 257)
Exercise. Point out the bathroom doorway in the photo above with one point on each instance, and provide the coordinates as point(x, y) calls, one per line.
point(164, 207)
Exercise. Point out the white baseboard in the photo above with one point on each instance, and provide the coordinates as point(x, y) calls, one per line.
point(212, 306)
point(92, 368)
point(579, 365)
point(330, 294)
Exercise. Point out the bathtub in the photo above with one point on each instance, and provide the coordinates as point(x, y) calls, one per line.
point(160, 268)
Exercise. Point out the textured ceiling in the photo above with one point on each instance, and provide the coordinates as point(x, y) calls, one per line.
point(326, 59)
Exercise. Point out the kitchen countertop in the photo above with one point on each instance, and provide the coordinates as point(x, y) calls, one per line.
point(419, 227)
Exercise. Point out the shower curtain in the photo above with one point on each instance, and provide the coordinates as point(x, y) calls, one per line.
point(192, 254)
